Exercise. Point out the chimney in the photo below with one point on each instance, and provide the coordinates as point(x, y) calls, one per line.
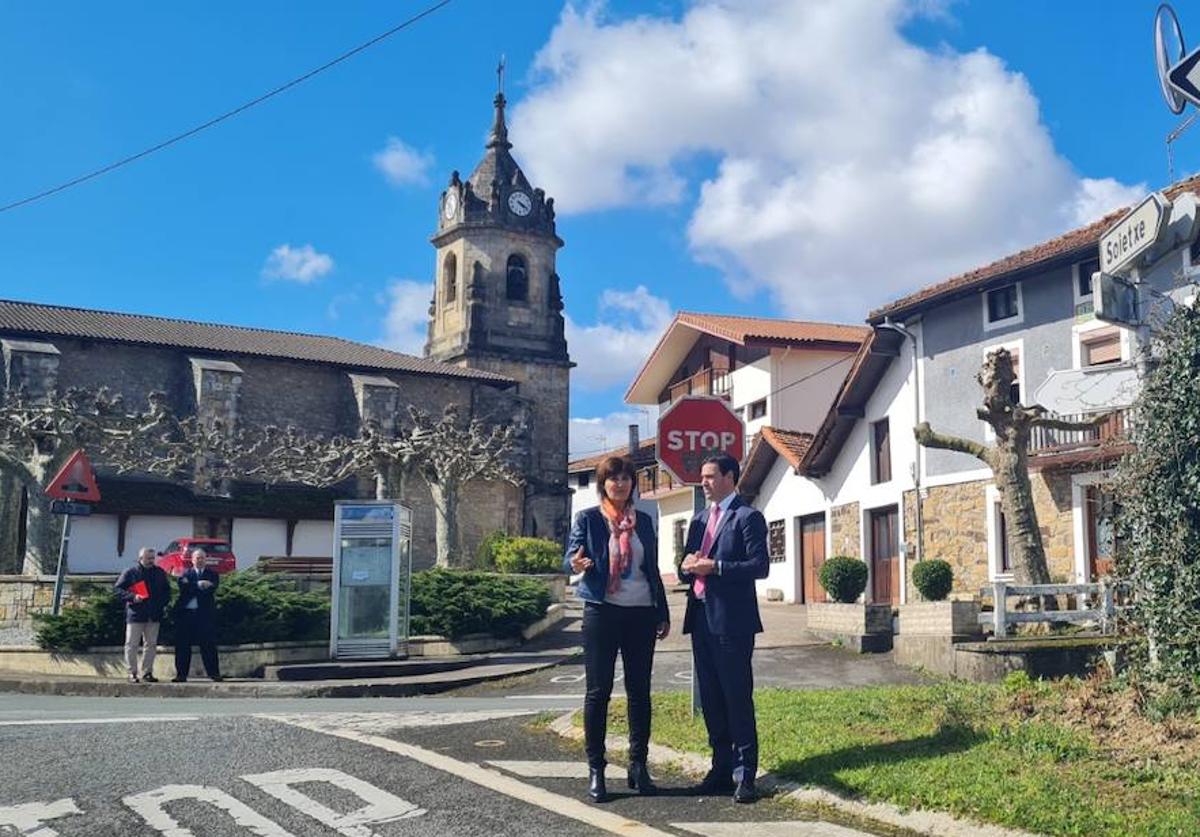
point(633, 440)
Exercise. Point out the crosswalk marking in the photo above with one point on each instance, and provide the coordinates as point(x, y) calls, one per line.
point(556, 769)
point(384, 722)
point(798, 828)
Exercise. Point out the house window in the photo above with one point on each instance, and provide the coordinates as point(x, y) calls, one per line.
point(881, 452)
point(450, 277)
point(999, 554)
point(582, 480)
point(1003, 562)
point(679, 530)
point(756, 410)
point(1002, 307)
point(1083, 278)
point(517, 285)
point(1100, 347)
point(776, 549)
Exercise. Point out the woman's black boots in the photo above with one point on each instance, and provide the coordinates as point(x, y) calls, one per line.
point(597, 792)
point(639, 779)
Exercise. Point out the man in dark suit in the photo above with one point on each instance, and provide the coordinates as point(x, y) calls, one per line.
point(726, 551)
point(195, 619)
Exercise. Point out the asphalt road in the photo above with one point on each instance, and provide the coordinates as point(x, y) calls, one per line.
point(321, 768)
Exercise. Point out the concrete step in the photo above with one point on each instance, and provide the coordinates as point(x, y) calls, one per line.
point(366, 669)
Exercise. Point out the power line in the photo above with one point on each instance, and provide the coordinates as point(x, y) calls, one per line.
point(227, 115)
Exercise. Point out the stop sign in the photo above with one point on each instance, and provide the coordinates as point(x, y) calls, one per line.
point(694, 428)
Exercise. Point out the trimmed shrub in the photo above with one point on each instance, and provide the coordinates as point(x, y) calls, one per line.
point(933, 578)
point(528, 555)
point(485, 556)
point(453, 603)
point(251, 607)
point(844, 578)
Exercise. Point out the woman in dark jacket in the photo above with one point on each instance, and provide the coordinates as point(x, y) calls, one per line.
point(625, 610)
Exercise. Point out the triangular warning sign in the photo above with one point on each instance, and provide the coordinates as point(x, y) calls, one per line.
point(75, 481)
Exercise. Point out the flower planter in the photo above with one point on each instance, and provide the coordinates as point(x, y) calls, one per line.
point(866, 628)
point(946, 619)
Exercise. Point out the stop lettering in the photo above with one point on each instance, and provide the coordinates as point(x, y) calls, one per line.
point(695, 428)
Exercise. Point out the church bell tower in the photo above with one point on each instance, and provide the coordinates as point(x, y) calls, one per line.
point(497, 306)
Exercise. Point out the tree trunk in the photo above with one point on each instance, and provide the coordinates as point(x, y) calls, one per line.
point(445, 505)
point(42, 529)
point(1011, 470)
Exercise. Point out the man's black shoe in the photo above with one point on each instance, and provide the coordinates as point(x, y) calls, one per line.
point(149, 678)
point(216, 678)
point(133, 678)
point(713, 783)
point(178, 679)
point(745, 792)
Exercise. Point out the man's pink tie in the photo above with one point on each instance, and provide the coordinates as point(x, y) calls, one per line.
point(710, 535)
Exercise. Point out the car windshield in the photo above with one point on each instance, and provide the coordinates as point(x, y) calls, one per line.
point(216, 548)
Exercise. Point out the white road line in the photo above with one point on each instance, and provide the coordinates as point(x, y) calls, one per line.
point(492, 780)
point(46, 722)
point(545, 697)
point(556, 769)
point(800, 828)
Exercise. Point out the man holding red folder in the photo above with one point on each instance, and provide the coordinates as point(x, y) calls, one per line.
point(145, 590)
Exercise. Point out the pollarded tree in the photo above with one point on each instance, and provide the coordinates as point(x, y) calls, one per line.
point(1158, 485)
point(1008, 458)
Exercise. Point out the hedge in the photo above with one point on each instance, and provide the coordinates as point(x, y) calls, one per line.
point(528, 555)
point(453, 603)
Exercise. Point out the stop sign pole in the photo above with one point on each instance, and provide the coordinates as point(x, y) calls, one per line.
point(691, 430)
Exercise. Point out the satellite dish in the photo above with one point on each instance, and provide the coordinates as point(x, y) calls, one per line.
point(1168, 51)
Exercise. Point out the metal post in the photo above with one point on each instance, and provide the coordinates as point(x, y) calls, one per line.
point(1000, 612)
point(62, 565)
point(697, 507)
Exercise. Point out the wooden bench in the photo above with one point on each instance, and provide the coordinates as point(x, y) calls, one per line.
point(312, 567)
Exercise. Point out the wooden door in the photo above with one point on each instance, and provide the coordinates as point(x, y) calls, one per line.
point(885, 559)
point(1099, 517)
point(812, 556)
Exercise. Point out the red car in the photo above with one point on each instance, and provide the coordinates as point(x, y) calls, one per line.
point(177, 556)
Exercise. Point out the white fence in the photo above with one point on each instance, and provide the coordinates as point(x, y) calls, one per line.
point(1103, 614)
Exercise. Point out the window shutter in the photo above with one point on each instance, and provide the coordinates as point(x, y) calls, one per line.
point(1105, 350)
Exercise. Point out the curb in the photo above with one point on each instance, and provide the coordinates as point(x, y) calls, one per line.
point(932, 823)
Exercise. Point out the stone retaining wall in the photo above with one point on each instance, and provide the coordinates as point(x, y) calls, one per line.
point(862, 627)
point(21, 596)
point(940, 619)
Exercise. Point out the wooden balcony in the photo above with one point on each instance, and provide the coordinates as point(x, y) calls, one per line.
point(1051, 442)
point(653, 482)
point(708, 381)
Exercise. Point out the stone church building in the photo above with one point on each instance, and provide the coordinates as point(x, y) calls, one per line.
point(495, 348)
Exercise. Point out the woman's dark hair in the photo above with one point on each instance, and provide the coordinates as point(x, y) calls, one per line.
point(614, 466)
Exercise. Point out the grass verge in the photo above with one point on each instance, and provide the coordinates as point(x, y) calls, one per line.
point(1041, 757)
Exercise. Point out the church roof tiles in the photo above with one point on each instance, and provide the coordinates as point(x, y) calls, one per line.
point(28, 318)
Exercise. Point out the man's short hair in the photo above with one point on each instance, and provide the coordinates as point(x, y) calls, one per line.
point(196, 549)
point(144, 550)
point(725, 463)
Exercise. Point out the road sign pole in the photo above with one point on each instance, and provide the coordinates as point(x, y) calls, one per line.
point(62, 565)
point(697, 507)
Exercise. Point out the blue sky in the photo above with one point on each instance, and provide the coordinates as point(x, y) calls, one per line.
point(732, 157)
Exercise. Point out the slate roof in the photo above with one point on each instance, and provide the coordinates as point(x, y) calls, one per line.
point(1071, 245)
point(28, 318)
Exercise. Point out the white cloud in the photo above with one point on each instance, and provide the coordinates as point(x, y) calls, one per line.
point(852, 165)
point(297, 264)
point(591, 436)
point(610, 351)
point(402, 164)
point(407, 319)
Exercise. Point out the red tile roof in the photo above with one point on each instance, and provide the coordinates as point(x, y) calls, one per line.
point(1069, 243)
point(789, 444)
point(645, 455)
point(744, 329)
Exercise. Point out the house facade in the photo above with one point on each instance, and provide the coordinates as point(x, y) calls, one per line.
point(864, 487)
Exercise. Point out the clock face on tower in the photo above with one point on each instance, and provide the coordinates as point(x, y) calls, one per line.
point(519, 203)
point(450, 204)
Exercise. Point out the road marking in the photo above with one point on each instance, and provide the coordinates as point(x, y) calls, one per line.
point(149, 806)
point(556, 769)
point(545, 697)
point(566, 678)
point(384, 722)
point(40, 722)
point(490, 779)
point(381, 806)
point(800, 828)
point(28, 819)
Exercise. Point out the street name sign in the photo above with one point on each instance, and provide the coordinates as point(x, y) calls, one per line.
point(75, 481)
point(68, 507)
point(1134, 234)
point(694, 428)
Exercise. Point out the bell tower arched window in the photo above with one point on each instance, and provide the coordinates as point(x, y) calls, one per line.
point(450, 277)
point(517, 286)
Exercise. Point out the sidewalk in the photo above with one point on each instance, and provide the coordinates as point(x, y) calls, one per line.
point(784, 628)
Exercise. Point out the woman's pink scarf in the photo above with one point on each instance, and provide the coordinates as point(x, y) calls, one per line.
point(620, 551)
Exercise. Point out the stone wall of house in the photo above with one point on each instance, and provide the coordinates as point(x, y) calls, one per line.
point(22, 596)
point(845, 531)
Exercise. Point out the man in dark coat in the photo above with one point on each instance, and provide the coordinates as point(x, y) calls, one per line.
point(195, 619)
point(726, 551)
point(145, 591)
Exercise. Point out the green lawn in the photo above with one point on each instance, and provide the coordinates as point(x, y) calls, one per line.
point(986, 752)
